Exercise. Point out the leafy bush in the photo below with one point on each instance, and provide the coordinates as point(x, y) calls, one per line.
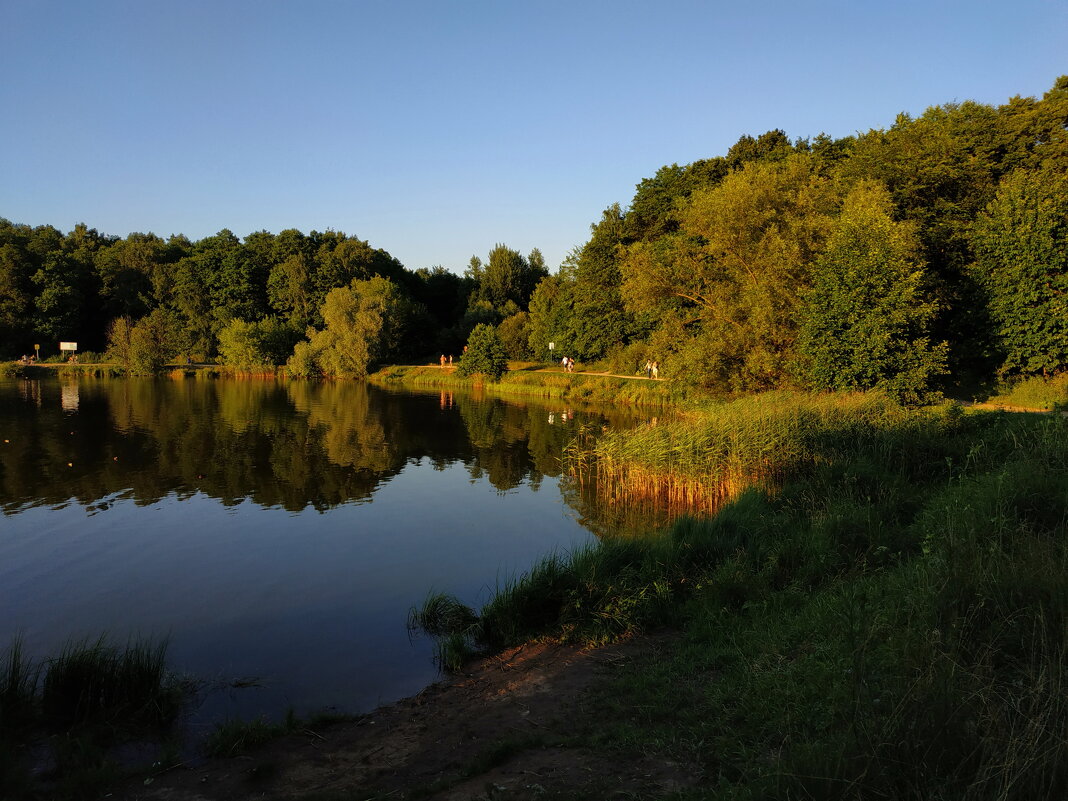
point(485, 353)
point(514, 332)
point(261, 344)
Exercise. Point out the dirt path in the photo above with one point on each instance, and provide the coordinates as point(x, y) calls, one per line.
point(602, 375)
point(499, 731)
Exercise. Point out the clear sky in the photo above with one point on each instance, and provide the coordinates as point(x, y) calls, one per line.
point(437, 128)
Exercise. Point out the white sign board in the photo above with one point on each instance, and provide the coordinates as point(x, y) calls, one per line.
point(68, 346)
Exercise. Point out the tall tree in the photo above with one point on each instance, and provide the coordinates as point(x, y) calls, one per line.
point(599, 319)
point(16, 298)
point(732, 274)
point(866, 320)
point(126, 268)
point(506, 277)
point(365, 324)
point(1021, 247)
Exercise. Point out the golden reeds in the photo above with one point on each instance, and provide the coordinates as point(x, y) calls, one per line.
point(695, 464)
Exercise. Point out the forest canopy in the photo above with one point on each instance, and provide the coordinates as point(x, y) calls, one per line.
point(929, 251)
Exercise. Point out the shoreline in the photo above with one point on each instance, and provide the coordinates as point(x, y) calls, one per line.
point(507, 722)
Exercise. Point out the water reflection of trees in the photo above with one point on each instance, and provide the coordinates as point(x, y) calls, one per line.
point(290, 445)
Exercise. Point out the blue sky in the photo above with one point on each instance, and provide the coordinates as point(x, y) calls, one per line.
point(435, 130)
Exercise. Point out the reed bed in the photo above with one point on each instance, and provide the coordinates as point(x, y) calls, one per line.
point(696, 463)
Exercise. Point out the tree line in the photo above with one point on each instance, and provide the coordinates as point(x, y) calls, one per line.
point(248, 301)
point(894, 258)
point(888, 259)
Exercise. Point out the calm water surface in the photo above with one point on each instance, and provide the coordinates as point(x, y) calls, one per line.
point(279, 531)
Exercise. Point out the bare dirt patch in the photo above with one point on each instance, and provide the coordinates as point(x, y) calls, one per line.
point(500, 730)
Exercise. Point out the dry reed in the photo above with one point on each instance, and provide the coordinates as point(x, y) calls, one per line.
point(697, 463)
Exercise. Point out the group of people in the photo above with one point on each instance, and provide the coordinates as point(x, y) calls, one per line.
point(450, 360)
point(568, 364)
point(652, 369)
point(28, 359)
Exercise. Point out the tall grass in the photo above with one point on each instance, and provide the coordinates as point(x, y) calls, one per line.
point(18, 689)
point(1034, 393)
point(76, 708)
point(454, 626)
point(98, 682)
point(695, 464)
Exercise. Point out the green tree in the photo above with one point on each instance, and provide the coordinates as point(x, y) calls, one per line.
point(769, 146)
point(142, 348)
point(258, 344)
point(16, 297)
point(866, 320)
point(653, 211)
point(599, 319)
point(365, 324)
point(514, 332)
point(1021, 250)
point(125, 269)
point(120, 342)
point(733, 272)
point(485, 353)
point(551, 314)
point(506, 277)
point(59, 301)
point(205, 283)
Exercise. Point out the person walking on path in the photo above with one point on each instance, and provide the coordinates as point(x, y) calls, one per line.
point(443, 361)
point(655, 370)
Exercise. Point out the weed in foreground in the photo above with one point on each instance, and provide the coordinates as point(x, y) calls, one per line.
point(233, 737)
point(98, 683)
point(18, 690)
point(72, 711)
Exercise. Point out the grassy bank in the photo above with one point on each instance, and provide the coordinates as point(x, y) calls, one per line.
point(879, 609)
point(529, 381)
point(1034, 393)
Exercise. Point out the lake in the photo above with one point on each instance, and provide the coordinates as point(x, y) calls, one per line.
point(276, 532)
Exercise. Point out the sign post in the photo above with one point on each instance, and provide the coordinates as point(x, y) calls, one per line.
point(37, 353)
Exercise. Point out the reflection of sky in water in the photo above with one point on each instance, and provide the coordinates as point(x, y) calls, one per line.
point(313, 602)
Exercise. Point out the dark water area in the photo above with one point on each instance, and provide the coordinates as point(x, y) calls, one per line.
point(272, 531)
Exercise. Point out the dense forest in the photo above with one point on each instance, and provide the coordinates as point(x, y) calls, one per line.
point(905, 258)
